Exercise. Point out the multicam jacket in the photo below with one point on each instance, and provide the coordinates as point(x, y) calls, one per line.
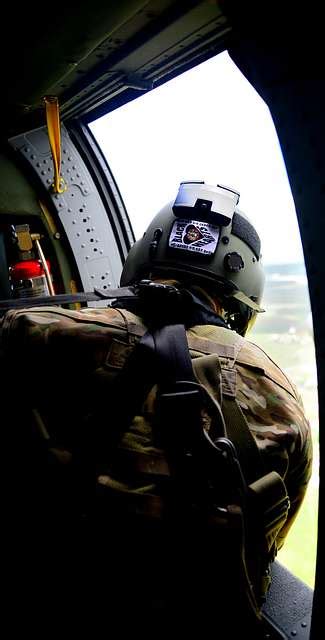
point(72, 358)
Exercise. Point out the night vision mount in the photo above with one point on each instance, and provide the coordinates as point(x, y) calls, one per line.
point(206, 202)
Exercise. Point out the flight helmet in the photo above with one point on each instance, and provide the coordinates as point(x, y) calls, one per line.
point(203, 238)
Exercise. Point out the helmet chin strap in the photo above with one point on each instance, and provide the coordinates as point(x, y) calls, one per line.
point(239, 295)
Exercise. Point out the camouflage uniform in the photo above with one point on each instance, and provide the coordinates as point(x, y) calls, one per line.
point(79, 353)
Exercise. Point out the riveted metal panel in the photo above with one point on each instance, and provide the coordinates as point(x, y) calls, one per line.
point(79, 208)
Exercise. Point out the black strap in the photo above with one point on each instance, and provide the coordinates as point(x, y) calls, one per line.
point(172, 354)
point(67, 298)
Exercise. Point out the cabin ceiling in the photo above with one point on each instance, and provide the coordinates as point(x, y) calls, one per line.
point(96, 55)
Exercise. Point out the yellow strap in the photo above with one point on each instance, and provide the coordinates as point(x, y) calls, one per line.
point(54, 133)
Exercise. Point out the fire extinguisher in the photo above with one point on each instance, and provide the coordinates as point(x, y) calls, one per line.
point(28, 279)
point(30, 276)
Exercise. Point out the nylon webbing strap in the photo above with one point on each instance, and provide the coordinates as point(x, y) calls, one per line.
point(67, 298)
point(54, 133)
point(171, 348)
point(239, 433)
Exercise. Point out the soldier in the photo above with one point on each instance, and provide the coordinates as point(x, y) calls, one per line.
point(203, 244)
point(203, 247)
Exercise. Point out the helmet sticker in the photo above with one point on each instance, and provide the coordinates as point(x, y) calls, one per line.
point(194, 235)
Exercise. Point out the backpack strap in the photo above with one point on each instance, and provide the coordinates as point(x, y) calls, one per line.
point(237, 427)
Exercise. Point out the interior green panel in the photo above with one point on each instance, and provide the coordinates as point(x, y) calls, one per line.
point(17, 196)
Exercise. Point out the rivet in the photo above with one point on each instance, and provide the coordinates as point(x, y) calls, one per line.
point(49, 181)
point(43, 173)
point(33, 156)
point(69, 158)
point(83, 246)
point(225, 240)
point(27, 149)
point(304, 624)
point(38, 164)
point(45, 161)
point(101, 252)
point(57, 235)
point(64, 151)
point(63, 162)
point(74, 167)
point(87, 257)
point(78, 234)
point(294, 632)
point(56, 197)
point(60, 205)
point(86, 190)
point(106, 273)
point(70, 210)
point(81, 182)
point(92, 276)
point(78, 175)
point(74, 222)
point(68, 170)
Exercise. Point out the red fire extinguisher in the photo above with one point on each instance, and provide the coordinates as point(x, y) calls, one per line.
point(28, 278)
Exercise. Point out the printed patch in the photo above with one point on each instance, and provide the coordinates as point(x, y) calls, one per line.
point(117, 354)
point(194, 235)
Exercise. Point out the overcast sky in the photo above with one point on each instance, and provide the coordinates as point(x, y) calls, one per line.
point(208, 124)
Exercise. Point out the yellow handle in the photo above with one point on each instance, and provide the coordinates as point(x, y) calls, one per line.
point(54, 133)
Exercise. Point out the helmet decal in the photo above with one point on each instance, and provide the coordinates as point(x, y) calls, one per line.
point(194, 235)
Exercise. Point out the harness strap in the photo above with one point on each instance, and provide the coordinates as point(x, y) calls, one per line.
point(237, 427)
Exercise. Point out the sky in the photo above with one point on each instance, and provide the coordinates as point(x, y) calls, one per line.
point(208, 124)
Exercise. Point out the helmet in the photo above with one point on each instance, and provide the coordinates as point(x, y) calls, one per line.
point(203, 238)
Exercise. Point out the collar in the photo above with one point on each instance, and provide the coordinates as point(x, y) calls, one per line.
point(196, 312)
point(200, 313)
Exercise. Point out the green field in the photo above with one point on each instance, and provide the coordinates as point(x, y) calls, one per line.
point(285, 333)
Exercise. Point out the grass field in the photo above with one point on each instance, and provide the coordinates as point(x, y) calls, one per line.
point(285, 333)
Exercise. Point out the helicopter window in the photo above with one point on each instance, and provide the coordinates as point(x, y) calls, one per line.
point(210, 124)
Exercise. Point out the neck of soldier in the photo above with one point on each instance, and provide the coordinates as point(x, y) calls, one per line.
point(211, 301)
